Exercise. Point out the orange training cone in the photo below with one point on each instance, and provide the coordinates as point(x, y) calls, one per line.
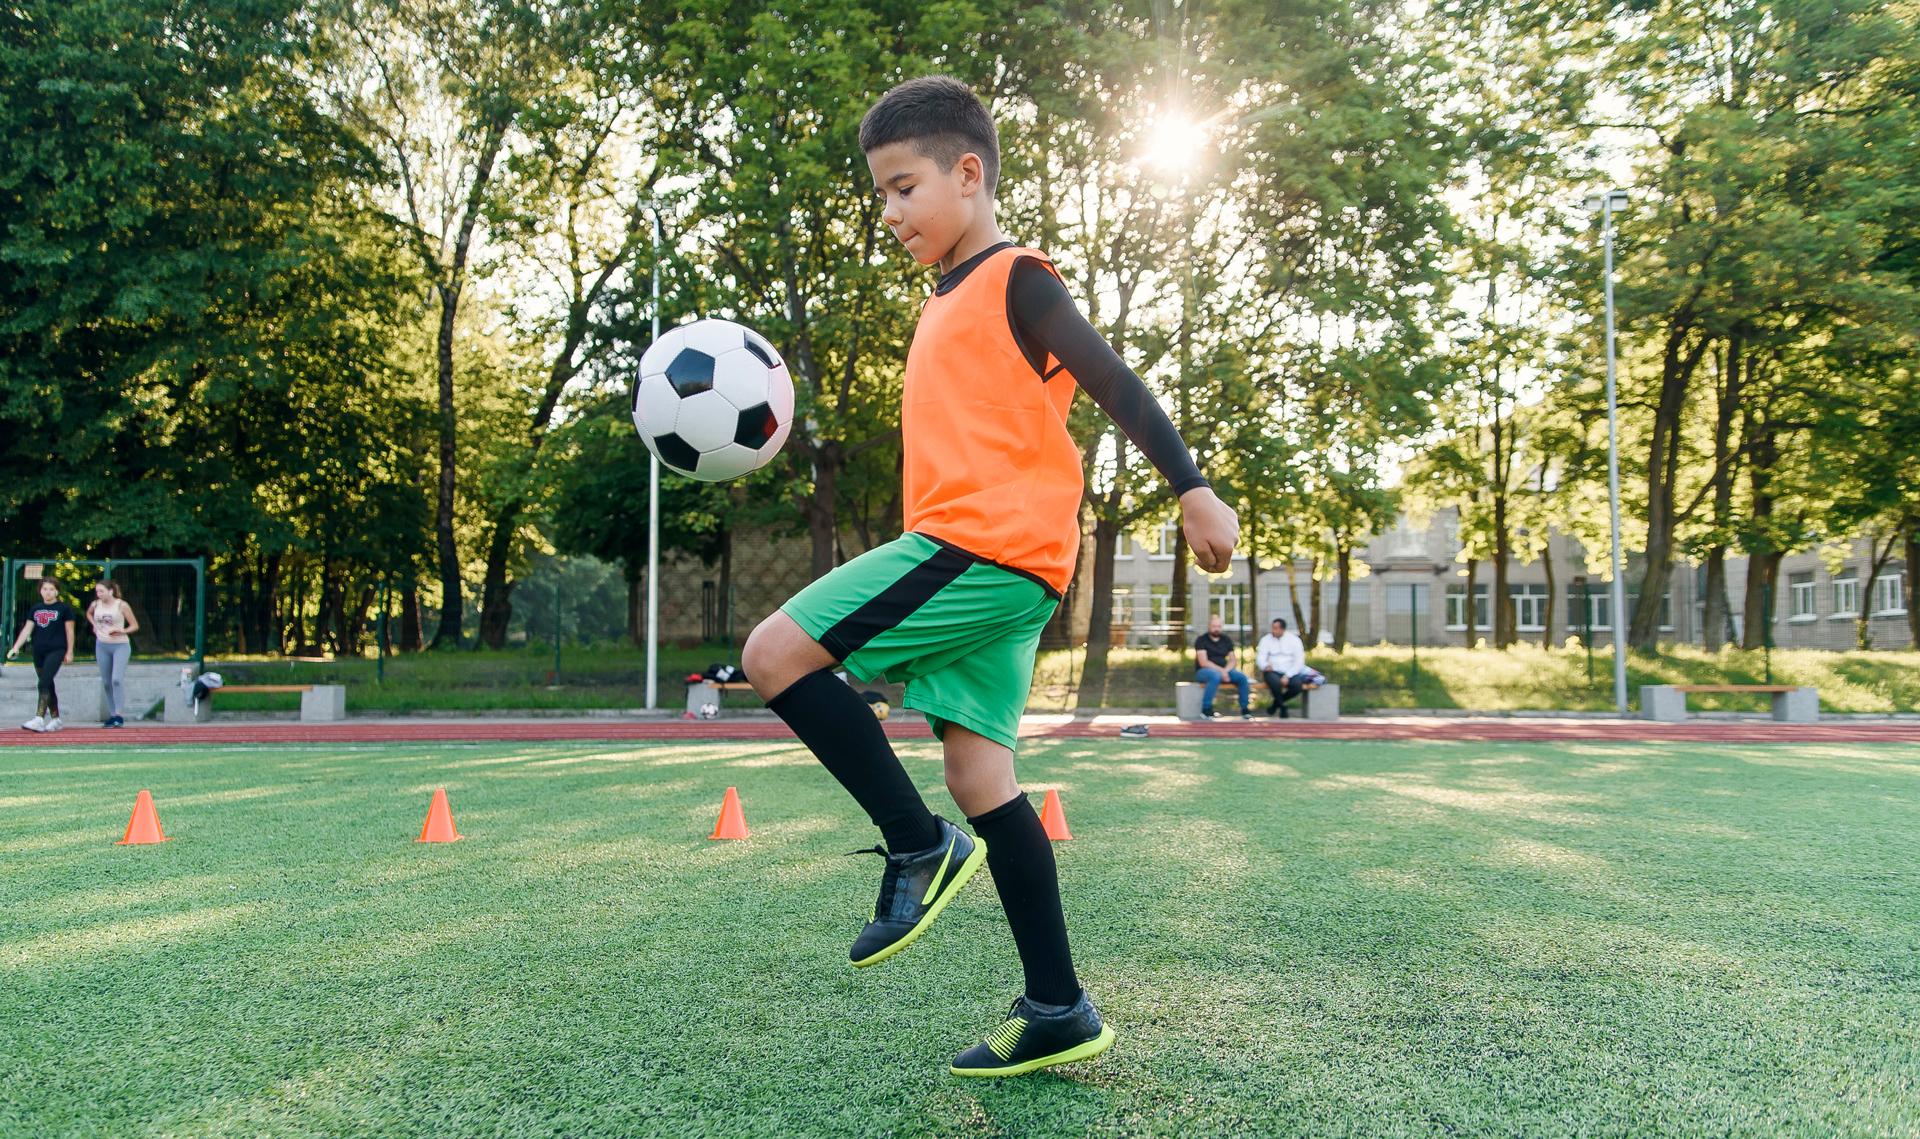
point(439, 827)
point(144, 826)
point(1054, 820)
point(732, 823)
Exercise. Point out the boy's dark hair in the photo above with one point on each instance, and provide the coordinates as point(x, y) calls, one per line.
point(941, 118)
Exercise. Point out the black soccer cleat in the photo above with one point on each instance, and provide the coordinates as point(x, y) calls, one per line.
point(1030, 1039)
point(913, 891)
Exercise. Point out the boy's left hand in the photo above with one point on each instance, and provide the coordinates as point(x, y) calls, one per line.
point(1212, 528)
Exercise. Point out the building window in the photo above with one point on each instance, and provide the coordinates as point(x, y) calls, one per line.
point(1846, 595)
point(1802, 601)
point(1598, 609)
point(1122, 607)
point(1231, 604)
point(1123, 548)
point(1158, 598)
point(1457, 607)
point(1163, 541)
point(1888, 595)
point(1530, 606)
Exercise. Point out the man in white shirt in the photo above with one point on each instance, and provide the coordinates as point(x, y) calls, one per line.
point(1281, 658)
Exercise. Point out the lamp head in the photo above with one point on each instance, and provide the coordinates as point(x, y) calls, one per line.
point(1617, 199)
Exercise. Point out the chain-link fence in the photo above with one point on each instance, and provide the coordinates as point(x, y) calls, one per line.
point(167, 596)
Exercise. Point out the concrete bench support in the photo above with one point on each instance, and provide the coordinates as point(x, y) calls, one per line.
point(1663, 702)
point(180, 708)
point(323, 704)
point(1323, 703)
point(1186, 699)
point(1801, 706)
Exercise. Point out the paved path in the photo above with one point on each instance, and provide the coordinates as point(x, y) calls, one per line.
point(1502, 730)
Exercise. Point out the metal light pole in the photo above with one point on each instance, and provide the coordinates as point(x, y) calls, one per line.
point(1605, 204)
point(653, 502)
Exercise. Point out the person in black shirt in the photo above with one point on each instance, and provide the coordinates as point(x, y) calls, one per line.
point(1213, 656)
point(50, 624)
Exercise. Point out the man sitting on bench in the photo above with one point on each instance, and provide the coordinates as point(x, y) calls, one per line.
point(1282, 661)
point(1213, 656)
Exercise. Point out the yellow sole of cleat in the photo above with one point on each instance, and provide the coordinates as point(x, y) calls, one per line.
point(1078, 1052)
point(967, 869)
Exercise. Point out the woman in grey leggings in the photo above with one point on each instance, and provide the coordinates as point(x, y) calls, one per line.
point(112, 622)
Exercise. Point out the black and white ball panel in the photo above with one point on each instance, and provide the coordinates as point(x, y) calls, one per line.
point(713, 400)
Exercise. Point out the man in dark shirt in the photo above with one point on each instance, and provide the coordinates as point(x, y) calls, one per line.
point(1213, 658)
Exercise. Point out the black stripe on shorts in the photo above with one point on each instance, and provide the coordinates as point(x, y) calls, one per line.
point(894, 604)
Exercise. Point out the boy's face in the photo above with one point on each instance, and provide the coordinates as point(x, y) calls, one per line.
point(927, 208)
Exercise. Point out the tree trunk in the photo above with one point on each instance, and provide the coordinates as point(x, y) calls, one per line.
point(356, 623)
point(1726, 411)
point(1763, 561)
point(450, 288)
point(449, 554)
point(299, 611)
point(323, 621)
point(1713, 636)
point(1293, 595)
point(1763, 572)
point(1663, 475)
point(410, 638)
point(1345, 563)
point(1907, 583)
point(1877, 559)
point(1504, 617)
point(1553, 597)
point(1181, 594)
point(1093, 670)
point(1314, 601)
point(1473, 606)
point(496, 592)
point(821, 514)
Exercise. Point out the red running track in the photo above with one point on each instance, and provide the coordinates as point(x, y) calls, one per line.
point(481, 731)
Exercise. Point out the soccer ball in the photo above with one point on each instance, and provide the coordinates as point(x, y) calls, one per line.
point(713, 400)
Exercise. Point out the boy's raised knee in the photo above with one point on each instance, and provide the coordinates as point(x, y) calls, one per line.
point(779, 652)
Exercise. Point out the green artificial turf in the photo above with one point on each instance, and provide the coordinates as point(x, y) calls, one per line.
point(1291, 939)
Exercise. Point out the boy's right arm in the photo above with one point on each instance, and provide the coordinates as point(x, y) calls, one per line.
point(1044, 311)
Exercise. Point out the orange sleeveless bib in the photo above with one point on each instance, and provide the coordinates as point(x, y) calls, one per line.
point(989, 465)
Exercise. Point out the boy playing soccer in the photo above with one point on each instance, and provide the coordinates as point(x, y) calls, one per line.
point(954, 607)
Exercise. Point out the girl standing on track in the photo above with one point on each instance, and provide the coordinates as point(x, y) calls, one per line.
point(112, 621)
point(50, 624)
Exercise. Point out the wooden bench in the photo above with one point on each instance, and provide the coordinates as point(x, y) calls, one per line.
point(1792, 703)
point(1317, 701)
point(319, 703)
point(714, 692)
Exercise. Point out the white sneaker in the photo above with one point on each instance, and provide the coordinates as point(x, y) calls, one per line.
point(35, 725)
point(53, 725)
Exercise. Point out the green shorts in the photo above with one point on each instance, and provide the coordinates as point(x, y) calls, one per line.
point(959, 630)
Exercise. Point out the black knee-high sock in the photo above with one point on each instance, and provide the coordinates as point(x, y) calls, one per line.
point(1021, 858)
point(836, 724)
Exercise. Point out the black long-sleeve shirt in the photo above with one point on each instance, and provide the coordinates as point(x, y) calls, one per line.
point(1044, 321)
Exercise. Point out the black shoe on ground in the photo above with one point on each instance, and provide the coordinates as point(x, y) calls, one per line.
point(1246, 713)
point(1037, 1036)
point(914, 888)
point(1134, 732)
point(1283, 711)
